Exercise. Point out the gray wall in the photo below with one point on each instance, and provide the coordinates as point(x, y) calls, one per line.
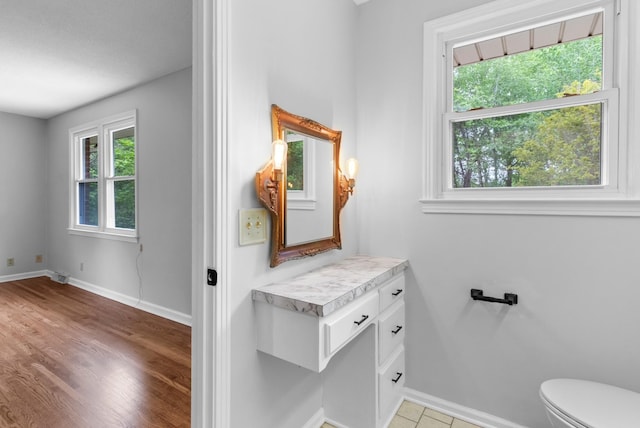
point(299, 55)
point(164, 216)
point(23, 202)
point(577, 278)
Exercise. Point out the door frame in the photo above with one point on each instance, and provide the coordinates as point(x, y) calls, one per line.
point(210, 355)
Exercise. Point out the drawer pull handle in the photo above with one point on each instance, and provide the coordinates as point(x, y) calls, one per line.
point(397, 378)
point(398, 291)
point(364, 318)
point(397, 330)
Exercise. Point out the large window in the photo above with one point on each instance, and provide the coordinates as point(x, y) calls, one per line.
point(103, 178)
point(522, 106)
point(523, 117)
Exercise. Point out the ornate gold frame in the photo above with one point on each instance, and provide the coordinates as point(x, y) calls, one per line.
point(272, 192)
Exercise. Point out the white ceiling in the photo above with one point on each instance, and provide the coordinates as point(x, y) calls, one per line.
point(56, 55)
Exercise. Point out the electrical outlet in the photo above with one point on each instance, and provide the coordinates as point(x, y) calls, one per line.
point(39, 258)
point(11, 262)
point(253, 226)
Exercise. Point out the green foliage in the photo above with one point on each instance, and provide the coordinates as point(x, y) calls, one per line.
point(566, 147)
point(125, 204)
point(124, 165)
point(511, 150)
point(483, 149)
point(295, 165)
point(535, 75)
point(124, 157)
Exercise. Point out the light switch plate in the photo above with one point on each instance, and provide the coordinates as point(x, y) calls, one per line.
point(252, 226)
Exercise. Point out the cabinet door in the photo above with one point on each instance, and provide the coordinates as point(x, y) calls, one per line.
point(390, 383)
point(391, 331)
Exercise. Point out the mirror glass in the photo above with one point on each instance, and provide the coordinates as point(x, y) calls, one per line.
point(309, 180)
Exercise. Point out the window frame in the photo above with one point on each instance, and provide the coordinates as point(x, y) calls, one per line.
point(103, 130)
point(617, 195)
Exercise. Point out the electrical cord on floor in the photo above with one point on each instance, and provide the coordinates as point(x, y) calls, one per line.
point(138, 271)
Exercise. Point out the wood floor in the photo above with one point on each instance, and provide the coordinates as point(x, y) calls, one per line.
point(69, 358)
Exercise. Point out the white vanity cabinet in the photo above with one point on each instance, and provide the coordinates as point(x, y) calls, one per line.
point(391, 329)
point(308, 319)
point(308, 341)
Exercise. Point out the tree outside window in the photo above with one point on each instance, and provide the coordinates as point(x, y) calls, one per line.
point(551, 147)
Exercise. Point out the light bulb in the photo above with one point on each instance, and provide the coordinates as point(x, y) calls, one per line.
point(352, 168)
point(279, 154)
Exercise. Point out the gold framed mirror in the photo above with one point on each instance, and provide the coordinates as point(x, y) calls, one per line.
point(305, 192)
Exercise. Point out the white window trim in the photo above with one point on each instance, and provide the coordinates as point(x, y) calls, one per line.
point(618, 196)
point(102, 128)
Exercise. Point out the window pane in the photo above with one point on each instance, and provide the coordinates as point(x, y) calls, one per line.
point(125, 203)
point(89, 157)
point(88, 203)
point(295, 165)
point(124, 153)
point(534, 75)
point(560, 147)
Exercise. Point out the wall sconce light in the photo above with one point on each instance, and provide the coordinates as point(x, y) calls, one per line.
point(269, 178)
point(278, 157)
point(352, 171)
point(348, 181)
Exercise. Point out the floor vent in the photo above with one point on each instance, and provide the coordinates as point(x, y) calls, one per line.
point(62, 278)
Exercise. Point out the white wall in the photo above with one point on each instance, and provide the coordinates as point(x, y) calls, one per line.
point(23, 204)
point(577, 278)
point(299, 55)
point(164, 216)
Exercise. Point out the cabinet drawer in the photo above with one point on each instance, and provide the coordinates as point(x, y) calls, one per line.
point(390, 383)
point(392, 292)
point(391, 331)
point(339, 329)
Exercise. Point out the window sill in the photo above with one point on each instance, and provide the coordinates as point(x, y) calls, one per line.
point(582, 207)
point(104, 235)
point(301, 204)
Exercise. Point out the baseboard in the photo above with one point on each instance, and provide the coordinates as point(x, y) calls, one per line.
point(25, 275)
point(320, 418)
point(466, 414)
point(316, 420)
point(334, 423)
point(457, 411)
point(152, 308)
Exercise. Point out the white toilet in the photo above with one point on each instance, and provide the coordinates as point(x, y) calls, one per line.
point(573, 403)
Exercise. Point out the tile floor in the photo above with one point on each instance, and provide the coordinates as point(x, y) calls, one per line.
point(411, 415)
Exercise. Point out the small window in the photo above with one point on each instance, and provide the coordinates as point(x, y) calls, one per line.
point(301, 170)
point(522, 109)
point(103, 178)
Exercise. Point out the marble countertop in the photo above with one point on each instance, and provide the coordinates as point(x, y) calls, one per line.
point(327, 289)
